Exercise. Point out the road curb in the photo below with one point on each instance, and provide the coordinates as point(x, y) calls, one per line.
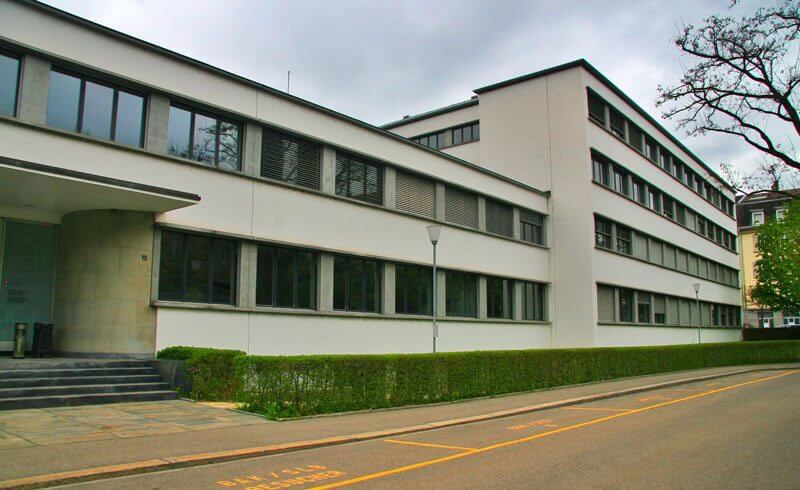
point(162, 464)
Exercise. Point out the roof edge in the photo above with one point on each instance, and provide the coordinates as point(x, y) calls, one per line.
point(272, 91)
point(583, 63)
point(431, 113)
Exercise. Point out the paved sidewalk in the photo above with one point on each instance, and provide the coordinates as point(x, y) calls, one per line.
point(18, 462)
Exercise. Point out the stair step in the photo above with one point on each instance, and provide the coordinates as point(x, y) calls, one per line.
point(6, 393)
point(84, 399)
point(63, 373)
point(51, 363)
point(79, 380)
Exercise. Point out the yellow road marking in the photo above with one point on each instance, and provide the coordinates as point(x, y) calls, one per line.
point(688, 390)
point(431, 462)
point(600, 408)
point(444, 446)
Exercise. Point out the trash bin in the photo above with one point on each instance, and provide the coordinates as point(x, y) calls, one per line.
point(43, 339)
point(19, 340)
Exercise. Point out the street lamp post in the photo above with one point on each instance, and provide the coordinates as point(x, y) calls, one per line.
point(696, 287)
point(433, 233)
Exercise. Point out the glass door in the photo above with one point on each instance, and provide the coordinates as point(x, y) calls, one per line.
point(26, 277)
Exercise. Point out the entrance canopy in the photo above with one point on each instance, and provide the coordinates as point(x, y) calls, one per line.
point(34, 189)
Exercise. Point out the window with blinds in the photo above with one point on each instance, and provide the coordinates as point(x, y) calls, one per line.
point(605, 304)
point(531, 226)
point(290, 159)
point(358, 178)
point(460, 207)
point(499, 218)
point(659, 308)
point(640, 246)
point(416, 194)
point(673, 311)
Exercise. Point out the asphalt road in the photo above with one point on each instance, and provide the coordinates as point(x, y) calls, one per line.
point(735, 432)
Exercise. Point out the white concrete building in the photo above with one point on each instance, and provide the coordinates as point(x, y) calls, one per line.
point(149, 200)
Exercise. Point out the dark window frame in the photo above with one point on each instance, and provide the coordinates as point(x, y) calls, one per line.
point(366, 164)
point(19, 57)
point(116, 88)
point(506, 286)
point(450, 292)
point(212, 240)
point(539, 297)
point(422, 272)
point(195, 111)
point(366, 299)
point(529, 231)
point(295, 277)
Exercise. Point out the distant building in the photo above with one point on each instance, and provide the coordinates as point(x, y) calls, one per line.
point(751, 211)
point(149, 200)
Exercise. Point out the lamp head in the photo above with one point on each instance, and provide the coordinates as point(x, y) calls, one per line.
point(696, 287)
point(433, 233)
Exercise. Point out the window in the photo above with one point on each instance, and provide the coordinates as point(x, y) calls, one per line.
point(635, 137)
point(602, 233)
point(669, 207)
point(654, 199)
point(643, 307)
point(533, 301)
point(499, 298)
point(356, 285)
point(597, 109)
point(286, 277)
point(664, 160)
point(415, 194)
point(605, 303)
point(625, 304)
point(780, 213)
point(756, 218)
point(461, 295)
point(531, 226)
point(650, 149)
point(95, 108)
point(617, 124)
point(466, 133)
point(435, 140)
point(290, 159)
point(623, 240)
point(460, 207)
point(620, 183)
point(358, 178)
point(655, 251)
point(639, 191)
point(413, 290)
point(600, 170)
point(701, 225)
point(660, 309)
point(9, 83)
point(680, 213)
point(196, 268)
point(499, 218)
point(203, 137)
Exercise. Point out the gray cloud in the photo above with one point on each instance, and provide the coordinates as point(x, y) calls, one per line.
point(380, 60)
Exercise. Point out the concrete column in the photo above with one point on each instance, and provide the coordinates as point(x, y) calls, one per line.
point(154, 264)
point(441, 294)
point(156, 130)
point(325, 288)
point(251, 159)
point(328, 170)
point(518, 301)
point(439, 201)
point(34, 89)
point(481, 213)
point(388, 288)
point(482, 306)
point(246, 292)
point(390, 187)
point(517, 232)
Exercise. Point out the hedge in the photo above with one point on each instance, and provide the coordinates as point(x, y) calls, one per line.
point(280, 386)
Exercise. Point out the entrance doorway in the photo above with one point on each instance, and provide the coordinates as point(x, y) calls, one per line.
point(26, 277)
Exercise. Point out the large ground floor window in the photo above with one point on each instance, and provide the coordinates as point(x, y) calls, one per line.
point(413, 290)
point(197, 268)
point(356, 285)
point(286, 277)
point(533, 301)
point(462, 294)
point(499, 298)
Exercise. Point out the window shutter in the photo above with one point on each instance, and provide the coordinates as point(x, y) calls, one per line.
point(673, 311)
point(605, 304)
point(685, 314)
point(659, 304)
point(416, 194)
point(669, 256)
point(290, 159)
point(640, 246)
point(499, 218)
point(656, 252)
point(460, 207)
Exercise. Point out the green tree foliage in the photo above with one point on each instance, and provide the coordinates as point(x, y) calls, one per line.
point(778, 266)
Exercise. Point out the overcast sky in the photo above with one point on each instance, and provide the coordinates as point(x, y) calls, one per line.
point(378, 60)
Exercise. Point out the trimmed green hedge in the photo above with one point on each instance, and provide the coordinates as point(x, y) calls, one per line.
point(305, 385)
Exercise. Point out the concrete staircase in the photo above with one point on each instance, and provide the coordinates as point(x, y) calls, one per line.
point(43, 383)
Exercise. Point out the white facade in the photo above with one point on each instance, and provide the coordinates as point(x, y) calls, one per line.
point(533, 156)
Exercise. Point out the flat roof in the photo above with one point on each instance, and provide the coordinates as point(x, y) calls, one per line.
point(272, 91)
point(436, 112)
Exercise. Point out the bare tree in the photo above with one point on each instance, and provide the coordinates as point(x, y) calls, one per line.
point(743, 80)
point(770, 174)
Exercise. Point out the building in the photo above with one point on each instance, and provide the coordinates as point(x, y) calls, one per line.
point(753, 210)
point(151, 200)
